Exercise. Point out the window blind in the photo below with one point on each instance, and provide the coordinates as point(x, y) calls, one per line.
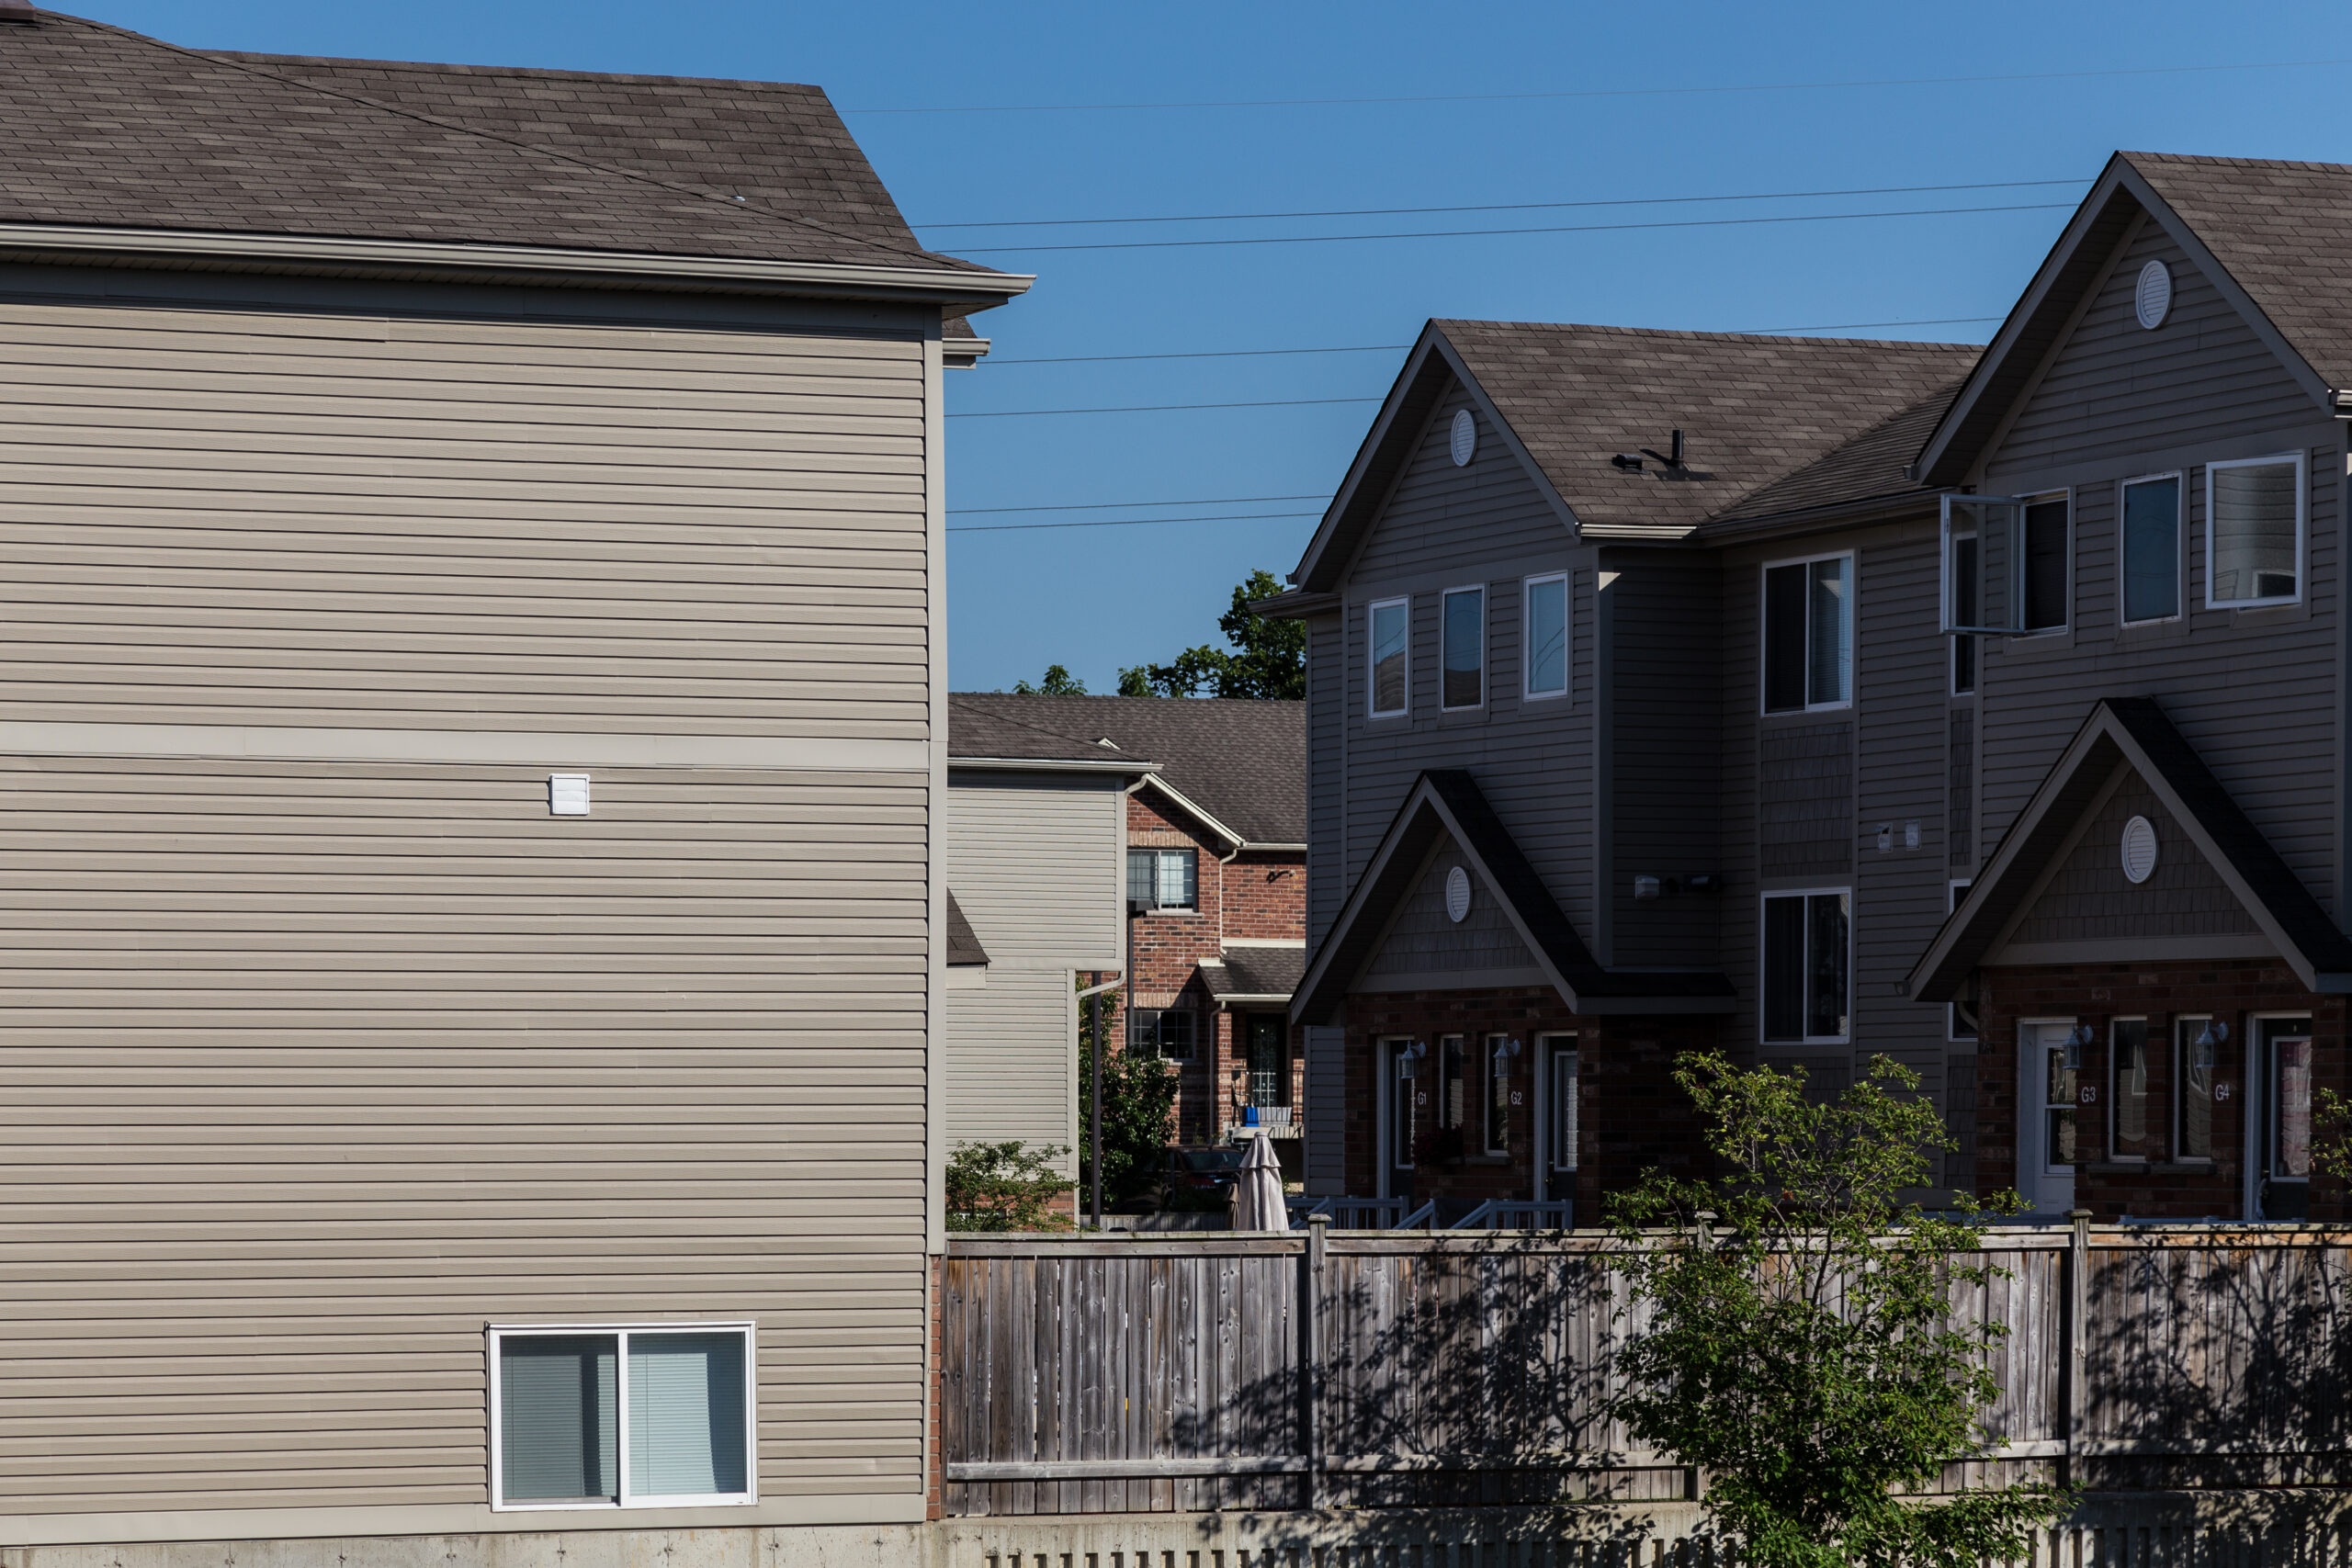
point(559, 1436)
point(685, 1414)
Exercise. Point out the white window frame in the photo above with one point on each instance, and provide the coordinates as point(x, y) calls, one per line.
point(497, 1334)
point(2147, 1023)
point(2043, 1169)
point(1955, 889)
point(1804, 893)
point(2303, 530)
point(1373, 709)
point(2258, 1044)
point(1527, 637)
point(1763, 634)
point(1485, 604)
point(1560, 1161)
point(2180, 553)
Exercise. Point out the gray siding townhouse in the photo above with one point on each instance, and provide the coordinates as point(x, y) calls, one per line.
point(471, 769)
point(1815, 700)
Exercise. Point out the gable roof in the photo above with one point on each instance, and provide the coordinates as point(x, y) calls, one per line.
point(1873, 466)
point(963, 944)
point(1754, 408)
point(2134, 730)
point(1447, 802)
point(104, 129)
point(1253, 974)
point(1240, 763)
point(2274, 238)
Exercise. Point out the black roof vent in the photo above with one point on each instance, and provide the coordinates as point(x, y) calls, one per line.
point(19, 11)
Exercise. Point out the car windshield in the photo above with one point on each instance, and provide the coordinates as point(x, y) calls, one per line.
point(1212, 1159)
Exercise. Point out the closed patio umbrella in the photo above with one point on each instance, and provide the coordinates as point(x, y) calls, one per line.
point(1257, 1193)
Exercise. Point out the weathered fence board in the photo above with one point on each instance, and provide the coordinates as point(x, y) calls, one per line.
point(1186, 1374)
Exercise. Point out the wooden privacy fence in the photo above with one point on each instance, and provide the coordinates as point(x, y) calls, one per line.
point(1379, 1369)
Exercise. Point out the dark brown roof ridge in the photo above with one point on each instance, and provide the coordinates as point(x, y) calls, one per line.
point(1689, 332)
point(550, 74)
point(2303, 164)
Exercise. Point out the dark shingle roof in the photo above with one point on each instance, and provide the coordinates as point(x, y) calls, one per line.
point(1869, 467)
point(963, 945)
point(1755, 409)
point(2283, 231)
point(1243, 762)
point(102, 127)
point(1255, 972)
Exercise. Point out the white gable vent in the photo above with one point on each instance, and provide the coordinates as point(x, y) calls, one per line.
point(1457, 894)
point(2139, 850)
point(1465, 437)
point(2152, 301)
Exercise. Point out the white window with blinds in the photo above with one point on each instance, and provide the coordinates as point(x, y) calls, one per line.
point(643, 1415)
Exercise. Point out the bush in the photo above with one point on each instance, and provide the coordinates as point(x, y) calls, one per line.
point(1138, 1105)
point(1005, 1187)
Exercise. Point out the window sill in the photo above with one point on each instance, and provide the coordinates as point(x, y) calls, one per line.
point(1169, 914)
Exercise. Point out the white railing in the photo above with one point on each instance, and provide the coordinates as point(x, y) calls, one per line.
point(1351, 1213)
point(1508, 1215)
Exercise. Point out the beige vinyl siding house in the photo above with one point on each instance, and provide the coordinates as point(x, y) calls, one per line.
point(1037, 860)
point(334, 529)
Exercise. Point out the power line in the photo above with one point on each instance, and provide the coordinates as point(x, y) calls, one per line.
point(1462, 233)
point(1119, 523)
point(1160, 408)
point(1131, 505)
point(1504, 207)
point(1612, 92)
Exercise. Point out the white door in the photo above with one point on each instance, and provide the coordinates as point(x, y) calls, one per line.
point(2049, 1092)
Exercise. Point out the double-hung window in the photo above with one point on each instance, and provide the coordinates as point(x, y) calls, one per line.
point(1462, 672)
point(1809, 634)
point(1164, 879)
point(2150, 542)
point(1804, 966)
point(1545, 637)
point(646, 1416)
point(1388, 656)
point(2253, 532)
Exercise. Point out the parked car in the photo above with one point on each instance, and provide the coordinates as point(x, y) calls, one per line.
point(1201, 1178)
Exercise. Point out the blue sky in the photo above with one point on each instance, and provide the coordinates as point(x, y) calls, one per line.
point(1650, 121)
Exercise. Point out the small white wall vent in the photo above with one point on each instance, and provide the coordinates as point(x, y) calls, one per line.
point(568, 795)
point(2152, 301)
point(1465, 437)
point(2139, 850)
point(1457, 894)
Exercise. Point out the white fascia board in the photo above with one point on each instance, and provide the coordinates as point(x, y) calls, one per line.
point(613, 268)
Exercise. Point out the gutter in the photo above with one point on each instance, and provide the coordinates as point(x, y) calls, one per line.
point(1772, 525)
point(201, 251)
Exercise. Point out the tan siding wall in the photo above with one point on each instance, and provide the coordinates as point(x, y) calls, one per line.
point(1037, 864)
point(309, 1071)
point(252, 517)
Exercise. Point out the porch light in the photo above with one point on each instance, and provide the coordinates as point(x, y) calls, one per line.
point(2215, 1033)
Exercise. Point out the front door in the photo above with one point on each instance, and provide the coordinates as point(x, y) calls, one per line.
point(1269, 1062)
point(2049, 1088)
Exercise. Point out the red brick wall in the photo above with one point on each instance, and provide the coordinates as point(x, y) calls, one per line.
point(2227, 989)
point(1632, 1116)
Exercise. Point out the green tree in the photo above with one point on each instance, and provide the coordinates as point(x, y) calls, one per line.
point(1138, 1105)
point(1058, 683)
point(1268, 658)
point(1801, 1347)
point(1005, 1187)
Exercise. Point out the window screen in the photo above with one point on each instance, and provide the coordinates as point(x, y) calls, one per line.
point(1547, 637)
point(1803, 961)
point(1465, 672)
point(2044, 564)
point(2151, 550)
point(561, 1439)
point(558, 1418)
point(2254, 531)
point(1386, 634)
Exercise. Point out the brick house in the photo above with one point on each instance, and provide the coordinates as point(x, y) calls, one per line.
point(1215, 879)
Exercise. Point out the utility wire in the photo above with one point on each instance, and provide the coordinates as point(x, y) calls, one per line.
point(1506, 207)
point(1462, 234)
point(1614, 92)
point(1160, 408)
point(1121, 521)
point(1131, 505)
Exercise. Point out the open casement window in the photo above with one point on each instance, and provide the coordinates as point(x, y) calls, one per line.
point(1806, 944)
point(1808, 634)
point(2009, 567)
point(2253, 533)
point(652, 1415)
point(1387, 657)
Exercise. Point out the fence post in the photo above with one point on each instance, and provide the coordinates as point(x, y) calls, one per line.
point(1310, 1369)
point(2079, 1307)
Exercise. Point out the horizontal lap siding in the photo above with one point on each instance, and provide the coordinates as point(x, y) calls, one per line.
point(1448, 526)
point(1667, 755)
point(1327, 885)
point(2255, 694)
point(279, 519)
point(1009, 1063)
point(309, 1071)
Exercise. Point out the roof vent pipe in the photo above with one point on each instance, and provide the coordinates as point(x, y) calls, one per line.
point(1673, 462)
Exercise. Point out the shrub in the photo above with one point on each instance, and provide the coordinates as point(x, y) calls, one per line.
point(1005, 1187)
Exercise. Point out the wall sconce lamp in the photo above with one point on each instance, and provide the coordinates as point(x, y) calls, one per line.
point(2214, 1033)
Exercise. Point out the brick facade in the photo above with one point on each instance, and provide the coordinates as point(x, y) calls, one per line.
point(2236, 992)
point(1257, 896)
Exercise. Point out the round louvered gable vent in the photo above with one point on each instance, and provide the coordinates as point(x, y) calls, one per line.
point(1457, 894)
point(2139, 850)
point(2152, 301)
point(1465, 437)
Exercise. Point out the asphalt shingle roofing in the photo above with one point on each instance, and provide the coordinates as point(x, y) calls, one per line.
point(1869, 467)
point(1243, 762)
point(1755, 410)
point(102, 127)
